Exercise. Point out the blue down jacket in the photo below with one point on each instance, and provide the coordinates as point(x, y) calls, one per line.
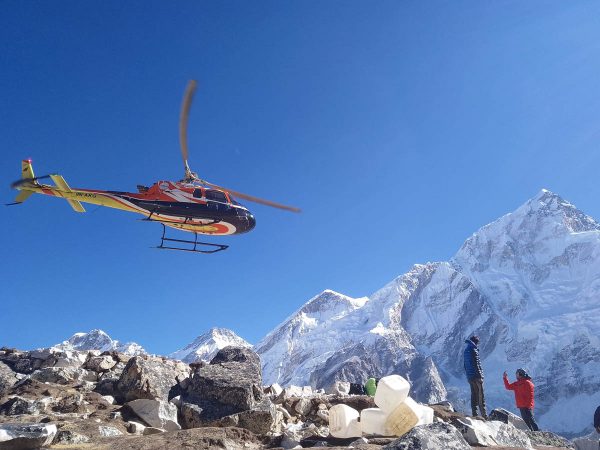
point(472, 362)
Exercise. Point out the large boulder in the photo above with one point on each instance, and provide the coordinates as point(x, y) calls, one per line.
point(23, 362)
point(506, 416)
point(58, 375)
point(230, 384)
point(68, 358)
point(7, 378)
point(155, 413)
point(240, 355)
point(17, 405)
point(548, 439)
point(434, 436)
point(22, 436)
point(101, 363)
point(262, 419)
point(492, 433)
point(150, 378)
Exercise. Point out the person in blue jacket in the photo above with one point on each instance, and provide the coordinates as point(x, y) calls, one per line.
point(474, 374)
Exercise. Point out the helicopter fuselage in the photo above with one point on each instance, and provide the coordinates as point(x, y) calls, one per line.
point(185, 206)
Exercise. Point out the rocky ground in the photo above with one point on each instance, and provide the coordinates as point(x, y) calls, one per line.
point(110, 401)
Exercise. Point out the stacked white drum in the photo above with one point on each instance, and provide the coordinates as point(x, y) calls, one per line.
point(396, 414)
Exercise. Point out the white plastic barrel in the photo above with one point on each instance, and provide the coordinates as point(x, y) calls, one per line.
point(372, 421)
point(424, 413)
point(401, 420)
point(391, 392)
point(343, 422)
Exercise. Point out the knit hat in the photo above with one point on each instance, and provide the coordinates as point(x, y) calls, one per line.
point(523, 373)
point(474, 339)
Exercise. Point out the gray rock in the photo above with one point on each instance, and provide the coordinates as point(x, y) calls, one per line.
point(71, 403)
point(152, 430)
point(8, 378)
point(507, 417)
point(18, 405)
point(227, 387)
point(339, 388)
point(274, 390)
point(69, 358)
point(303, 406)
point(99, 364)
point(435, 436)
point(69, 437)
point(108, 386)
point(109, 431)
point(587, 442)
point(57, 375)
point(23, 436)
point(190, 415)
point(150, 378)
point(446, 405)
point(548, 439)
point(135, 427)
point(492, 433)
point(238, 354)
point(109, 399)
point(359, 441)
point(155, 413)
point(262, 419)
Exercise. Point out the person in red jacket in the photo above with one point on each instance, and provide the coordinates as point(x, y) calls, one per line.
point(523, 388)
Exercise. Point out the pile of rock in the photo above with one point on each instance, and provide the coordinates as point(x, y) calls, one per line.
point(109, 401)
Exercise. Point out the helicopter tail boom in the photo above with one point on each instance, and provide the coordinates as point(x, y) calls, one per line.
point(29, 184)
point(63, 186)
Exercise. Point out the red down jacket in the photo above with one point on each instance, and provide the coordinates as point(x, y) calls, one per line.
point(523, 392)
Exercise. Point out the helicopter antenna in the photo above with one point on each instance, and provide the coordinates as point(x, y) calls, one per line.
point(183, 121)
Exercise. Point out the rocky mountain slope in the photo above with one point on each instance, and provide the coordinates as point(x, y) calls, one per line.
point(108, 400)
point(527, 284)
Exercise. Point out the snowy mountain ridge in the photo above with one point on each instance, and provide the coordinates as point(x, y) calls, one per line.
point(527, 284)
point(98, 340)
point(206, 346)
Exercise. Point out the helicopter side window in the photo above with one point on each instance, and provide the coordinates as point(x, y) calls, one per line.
point(198, 193)
point(219, 197)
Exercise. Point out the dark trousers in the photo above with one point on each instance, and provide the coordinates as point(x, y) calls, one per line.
point(477, 397)
point(527, 415)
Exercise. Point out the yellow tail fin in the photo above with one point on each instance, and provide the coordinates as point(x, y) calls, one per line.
point(27, 169)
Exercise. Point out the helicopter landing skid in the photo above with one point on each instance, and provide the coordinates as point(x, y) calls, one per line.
point(195, 242)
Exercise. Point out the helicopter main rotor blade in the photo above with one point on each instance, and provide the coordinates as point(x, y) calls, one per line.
point(254, 199)
point(183, 121)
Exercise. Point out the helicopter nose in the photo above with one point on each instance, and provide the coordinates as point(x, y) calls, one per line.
point(251, 221)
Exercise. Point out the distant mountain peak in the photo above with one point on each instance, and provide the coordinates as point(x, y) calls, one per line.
point(205, 346)
point(329, 298)
point(97, 339)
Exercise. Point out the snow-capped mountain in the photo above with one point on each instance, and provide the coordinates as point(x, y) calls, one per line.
point(205, 346)
point(98, 340)
point(337, 337)
point(528, 284)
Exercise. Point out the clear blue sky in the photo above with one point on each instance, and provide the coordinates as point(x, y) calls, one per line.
point(399, 127)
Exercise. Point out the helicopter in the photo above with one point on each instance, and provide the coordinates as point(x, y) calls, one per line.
point(190, 204)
